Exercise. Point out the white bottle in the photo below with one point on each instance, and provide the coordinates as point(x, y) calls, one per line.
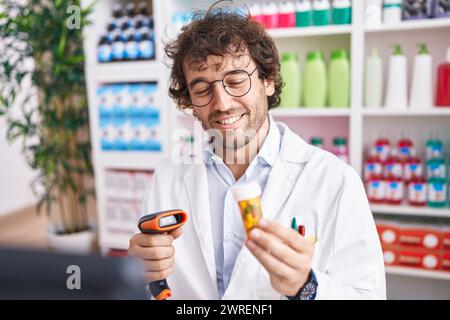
point(392, 11)
point(396, 92)
point(373, 13)
point(421, 88)
point(373, 91)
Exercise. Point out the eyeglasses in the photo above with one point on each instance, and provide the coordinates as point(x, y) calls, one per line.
point(236, 83)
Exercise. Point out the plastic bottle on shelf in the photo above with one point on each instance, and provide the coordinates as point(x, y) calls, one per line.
point(317, 142)
point(405, 146)
point(256, 13)
point(417, 192)
point(118, 48)
point(290, 73)
point(270, 15)
point(286, 15)
point(373, 91)
point(340, 148)
point(146, 47)
point(395, 190)
point(396, 95)
point(342, 12)
point(436, 168)
point(373, 166)
point(321, 12)
point(373, 13)
point(339, 79)
point(315, 81)
point(392, 11)
point(304, 11)
point(131, 48)
point(118, 15)
point(393, 167)
point(104, 50)
point(434, 148)
point(376, 189)
point(437, 192)
point(382, 147)
point(443, 83)
point(421, 88)
point(413, 167)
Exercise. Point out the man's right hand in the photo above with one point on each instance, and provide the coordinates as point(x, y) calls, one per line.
point(156, 252)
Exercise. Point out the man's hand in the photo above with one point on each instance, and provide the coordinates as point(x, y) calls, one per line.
point(284, 253)
point(156, 253)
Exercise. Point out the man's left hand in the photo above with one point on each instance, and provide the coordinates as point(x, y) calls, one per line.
point(284, 253)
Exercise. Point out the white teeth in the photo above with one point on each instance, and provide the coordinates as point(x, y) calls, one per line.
point(230, 120)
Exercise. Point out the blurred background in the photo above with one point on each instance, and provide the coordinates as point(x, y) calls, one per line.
point(85, 116)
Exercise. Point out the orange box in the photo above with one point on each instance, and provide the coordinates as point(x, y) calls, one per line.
point(419, 237)
point(423, 259)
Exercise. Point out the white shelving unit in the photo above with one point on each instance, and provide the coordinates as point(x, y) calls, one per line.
point(412, 272)
point(361, 125)
point(406, 210)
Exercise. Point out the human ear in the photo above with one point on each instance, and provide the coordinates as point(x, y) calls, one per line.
point(269, 85)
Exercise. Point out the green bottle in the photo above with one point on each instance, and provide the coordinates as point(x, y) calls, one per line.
point(321, 12)
point(291, 92)
point(317, 142)
point(339, 79)
point(303, 13)
point(437, 192)
point(315, 81)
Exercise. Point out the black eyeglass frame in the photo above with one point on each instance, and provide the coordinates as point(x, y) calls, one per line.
point(225, 87)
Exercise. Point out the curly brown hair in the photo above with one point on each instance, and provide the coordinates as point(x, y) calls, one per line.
point(219, 31)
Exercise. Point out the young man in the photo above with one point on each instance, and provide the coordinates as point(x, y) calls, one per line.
point(226, 68)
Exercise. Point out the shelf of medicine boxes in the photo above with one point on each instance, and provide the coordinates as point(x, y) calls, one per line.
point(411, 25)
point(411, 210)
point(413, 272)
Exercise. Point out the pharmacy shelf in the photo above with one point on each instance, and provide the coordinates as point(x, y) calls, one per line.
point(411, 211)
point(124, 70)
point(129, 160)
point(310, 112)
point(412, 25)
point(413, 272)
point(309, 31)
point(431, 112)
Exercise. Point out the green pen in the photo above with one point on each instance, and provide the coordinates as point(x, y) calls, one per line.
point(294, 224)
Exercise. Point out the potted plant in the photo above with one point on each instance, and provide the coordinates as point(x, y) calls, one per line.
point(43, 99)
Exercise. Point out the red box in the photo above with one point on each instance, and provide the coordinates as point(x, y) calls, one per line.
point(445, 261)
point(423, 259)
point(388, 233)
point(419, 237)
point(446, 239)
point(390, 257)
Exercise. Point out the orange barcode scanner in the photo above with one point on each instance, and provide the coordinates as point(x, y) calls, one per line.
point(161, 222)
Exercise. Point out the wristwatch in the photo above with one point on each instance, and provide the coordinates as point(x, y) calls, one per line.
point(309, 290)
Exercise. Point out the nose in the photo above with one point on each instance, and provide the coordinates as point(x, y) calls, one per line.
point(222, 101)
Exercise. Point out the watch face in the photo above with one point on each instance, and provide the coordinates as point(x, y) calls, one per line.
point(308, 292)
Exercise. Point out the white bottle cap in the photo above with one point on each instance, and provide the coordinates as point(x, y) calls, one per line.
point(246, 191)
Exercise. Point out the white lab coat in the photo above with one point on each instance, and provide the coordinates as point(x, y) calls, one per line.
point(321, 191)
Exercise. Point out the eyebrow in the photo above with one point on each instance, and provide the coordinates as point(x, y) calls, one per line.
point(202, 79)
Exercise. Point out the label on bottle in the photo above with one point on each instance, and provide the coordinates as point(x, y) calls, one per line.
point(437, 192)
point(436, 169)
point(118, 50)
point(131, 50)
point(395, 191)
point(146, 50)
point(393, 170)
point(417, 192)
point(376, 190)
point(372, 169)
point(413, 170)
point(104, 53)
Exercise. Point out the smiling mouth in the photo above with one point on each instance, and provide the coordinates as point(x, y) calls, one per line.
point(230, 121)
